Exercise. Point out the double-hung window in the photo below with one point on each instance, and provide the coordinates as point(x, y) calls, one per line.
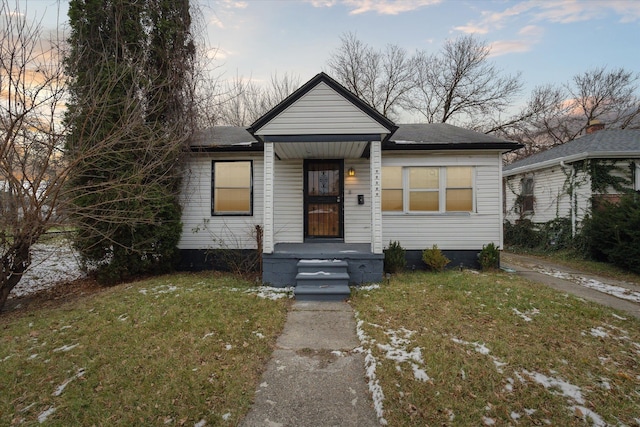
point(231, 188)
point(428, 189)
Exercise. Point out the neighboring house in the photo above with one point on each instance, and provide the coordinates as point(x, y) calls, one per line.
point(323, 182)
point(566, 181)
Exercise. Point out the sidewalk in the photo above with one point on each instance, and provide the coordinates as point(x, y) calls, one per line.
point(314, 378)
point(527, 267)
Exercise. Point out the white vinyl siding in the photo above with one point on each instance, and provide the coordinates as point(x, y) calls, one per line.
point(322, 111)
point(201, 230)
point(551, 197)
point(288, 201)
point(450, 230)
point(357, 218)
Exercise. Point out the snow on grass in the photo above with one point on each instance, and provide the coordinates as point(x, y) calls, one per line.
point(616, 291)
point(62, 386)
point(159, 290)
point(65, 348)
point(398, 351)
point(268, 292)
point(527, 316)
point(51, 264)
point(588, 416)
point(368, 287)
point(566, 389)
point(370, 363)
point(480, 348)
point(45, 414)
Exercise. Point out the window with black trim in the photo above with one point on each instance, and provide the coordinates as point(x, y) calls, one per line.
point(427, 189)
point(231, 187)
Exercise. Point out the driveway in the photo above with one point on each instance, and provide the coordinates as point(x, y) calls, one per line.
point(623, 296)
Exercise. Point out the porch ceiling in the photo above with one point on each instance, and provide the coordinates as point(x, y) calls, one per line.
point(320, 150)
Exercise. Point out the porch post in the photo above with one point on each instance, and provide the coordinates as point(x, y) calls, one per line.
point(267, 217)
point(375, 159)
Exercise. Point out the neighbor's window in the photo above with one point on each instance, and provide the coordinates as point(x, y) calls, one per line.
point(527, 199)
point(427, 189)
point(231, 188)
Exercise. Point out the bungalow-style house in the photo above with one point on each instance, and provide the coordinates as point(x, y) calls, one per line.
point(567, 180)
point(323, 182)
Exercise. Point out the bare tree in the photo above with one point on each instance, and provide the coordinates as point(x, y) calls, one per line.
point(242, 101)
point(608, 96)
point(460, 84)
point(32, 169)
point(382, 79)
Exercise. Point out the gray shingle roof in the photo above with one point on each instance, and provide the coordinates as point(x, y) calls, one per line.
point(601, 144)
point(407, 134)
point(440, 133)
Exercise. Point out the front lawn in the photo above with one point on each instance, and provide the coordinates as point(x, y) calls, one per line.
point(468, 348)
point(175, 350)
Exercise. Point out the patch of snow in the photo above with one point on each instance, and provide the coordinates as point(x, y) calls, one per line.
point(228, 347)
point(226, 416)
point(315, 273)
point(480, 348)
point(65, 348)
point(368, 287)
point(62, 386)
point(526, 316)
point(529, 411)
point(616, 291)
point(488, 421)
point(599, 332)
point(51, 264)
point(208, 334)
point(337, 353)
point(200, 423)
point(370, 363)
point(515, 416)
point(419, 373)
point(45, 414)
point(567, 389)
point(618, 317)
point(158, 290)
point(258, 334)
point(268, 292)
point(588, 415)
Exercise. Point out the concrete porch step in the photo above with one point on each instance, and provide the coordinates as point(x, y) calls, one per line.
point(327, 292)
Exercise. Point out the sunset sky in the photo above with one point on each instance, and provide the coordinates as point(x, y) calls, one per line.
point(547, 41)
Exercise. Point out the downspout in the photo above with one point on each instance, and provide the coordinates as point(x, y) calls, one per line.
point(572, 197)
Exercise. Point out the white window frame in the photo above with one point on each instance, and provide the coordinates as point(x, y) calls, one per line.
point(442, 191)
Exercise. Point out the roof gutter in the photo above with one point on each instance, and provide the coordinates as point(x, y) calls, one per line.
point(572, 158)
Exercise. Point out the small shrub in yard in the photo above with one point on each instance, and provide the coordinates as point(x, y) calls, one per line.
point(489, 257)
point(394, 258)
point(435, 259)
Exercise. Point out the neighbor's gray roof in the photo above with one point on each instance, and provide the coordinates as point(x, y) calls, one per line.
point(617, 143)
point(407, 136)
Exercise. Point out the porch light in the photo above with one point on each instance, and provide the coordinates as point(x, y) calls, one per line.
point(352, 172)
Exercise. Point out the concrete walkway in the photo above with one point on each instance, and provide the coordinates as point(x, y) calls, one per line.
point(314, 378)
point(526, 267)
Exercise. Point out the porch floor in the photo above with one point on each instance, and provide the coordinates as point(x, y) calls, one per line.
point(323, 249)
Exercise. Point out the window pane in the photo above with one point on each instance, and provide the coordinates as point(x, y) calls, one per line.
point(232, 200)
point(392, 177)
point(459, 177)
point(459, 200)
point(424, 178)
point(392, 200)
point(423, 201)
point(233, 174)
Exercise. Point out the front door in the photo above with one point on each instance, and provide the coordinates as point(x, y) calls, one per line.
point(323, 206)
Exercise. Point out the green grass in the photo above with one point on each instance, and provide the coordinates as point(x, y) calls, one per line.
point(173, 350)
point(450, 315)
